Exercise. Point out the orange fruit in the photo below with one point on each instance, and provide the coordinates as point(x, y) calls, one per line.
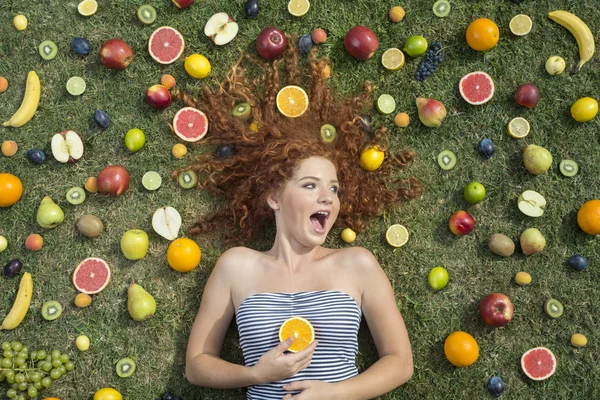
point(482, 34)
point(11, 189)
point(300, 329)
point(183, 255)
point(292, 101)
point(461, 349)
point(588, 217)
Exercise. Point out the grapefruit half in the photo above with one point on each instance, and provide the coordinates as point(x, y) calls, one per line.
point(476, 88)
point(91, 275)
point(190, 124)
point(538, 363)
point(166, 45)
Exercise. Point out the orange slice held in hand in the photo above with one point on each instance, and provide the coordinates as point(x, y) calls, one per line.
point(300, 329)
point(292, 101)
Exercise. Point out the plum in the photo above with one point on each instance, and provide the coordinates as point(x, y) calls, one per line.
point(486, 148)
point(37, 156)
point(305, 43)
point(102, 119)
point(13, 267)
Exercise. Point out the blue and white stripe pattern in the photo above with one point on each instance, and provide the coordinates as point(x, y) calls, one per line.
point(335, 317)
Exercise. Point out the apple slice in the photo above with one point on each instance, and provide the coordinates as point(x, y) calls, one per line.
point(166, 221)
point(67, 146)
point(221, 28)
point(531, 203)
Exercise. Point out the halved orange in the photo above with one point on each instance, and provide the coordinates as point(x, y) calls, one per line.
point(292, 101)
point(300, 329)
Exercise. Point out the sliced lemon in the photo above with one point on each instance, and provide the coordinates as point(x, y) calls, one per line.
point(518, 128)
point(298, 8)
point(520, 25)
point(151, 180)
point(87, 7)
point(386, 104)
point(396, 235)
point(75, 85)
point(393, 59)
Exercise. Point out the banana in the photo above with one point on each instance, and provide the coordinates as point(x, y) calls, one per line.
point(30, 102)
point(583, 35)
point(21, 304)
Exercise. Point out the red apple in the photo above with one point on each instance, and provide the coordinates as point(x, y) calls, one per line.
point(271, 43)
point(496, 309)
point(183, 3)
point(67, 146)
point(527, 95)
point(158, 96)
point(116, 54)
point(113, 180)
point(361, 42)
point(461, 223)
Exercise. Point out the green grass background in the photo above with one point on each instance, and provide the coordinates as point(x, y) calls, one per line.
point(158, 345)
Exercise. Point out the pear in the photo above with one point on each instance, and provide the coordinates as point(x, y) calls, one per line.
point(166, 221)
point(141, 304)
point(49, 214)
point(532, 241)
point(431, 112)
point(537, 159)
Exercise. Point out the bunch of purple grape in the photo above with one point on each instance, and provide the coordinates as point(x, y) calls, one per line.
point(431, 60)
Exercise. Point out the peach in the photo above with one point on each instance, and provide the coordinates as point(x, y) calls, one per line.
point(319, 36)
point(168, 81)
point(34, 242)
point(9, 148)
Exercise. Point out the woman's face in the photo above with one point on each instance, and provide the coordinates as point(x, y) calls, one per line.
point(308, 204)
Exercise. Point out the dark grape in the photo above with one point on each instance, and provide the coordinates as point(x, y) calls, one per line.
point(430, 62)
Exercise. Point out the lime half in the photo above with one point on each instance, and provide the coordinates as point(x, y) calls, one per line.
point(386, 104)
point(76, 85)
point(151, 180)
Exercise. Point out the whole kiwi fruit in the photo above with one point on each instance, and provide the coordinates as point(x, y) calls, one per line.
point(501, 244)
point(90, 225)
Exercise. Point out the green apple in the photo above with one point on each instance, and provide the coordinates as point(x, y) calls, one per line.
point(474, 192)
point(555, 65)
point(134, 244)
point(438, 278)
point(3, 243)
point(537, 159)
point(135, 139)
point(531, 203)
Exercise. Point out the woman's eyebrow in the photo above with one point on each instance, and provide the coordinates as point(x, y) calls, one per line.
point(317, 179)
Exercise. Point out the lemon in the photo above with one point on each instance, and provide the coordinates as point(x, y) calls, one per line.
point(348, 235)
point(520, 25)
point(584, 109)
point(396, 235)
point(371, 158)
point(298, 8)
point(87, 7)
point(393, 59)
point(578, 340)
point(197, 66)
point(20, 22)
point(179, 150)
point(518, 128)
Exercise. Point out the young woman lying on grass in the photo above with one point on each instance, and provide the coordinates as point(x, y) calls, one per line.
point(286, 172)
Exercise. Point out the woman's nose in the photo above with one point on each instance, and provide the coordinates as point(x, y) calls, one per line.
point(325, 196)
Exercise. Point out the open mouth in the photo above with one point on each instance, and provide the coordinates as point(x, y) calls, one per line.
point(319, 220)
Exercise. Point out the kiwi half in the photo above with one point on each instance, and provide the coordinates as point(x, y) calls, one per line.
point(328, 133)
point(48, 49)
point(242, 111)
point(446, 159)
point(553, 308)
point(76, 195)
point(51, 310)
point(187, 179)
point(568, 168)
point(146, 14)
point(125, 367)
point(441, 8)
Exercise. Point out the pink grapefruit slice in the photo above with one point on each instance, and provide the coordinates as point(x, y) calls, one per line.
point(538, 363)
point(476, 88)
point(166, 45)
point(190, 124)
point(91, 275)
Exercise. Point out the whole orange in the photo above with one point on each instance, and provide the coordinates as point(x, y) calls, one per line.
point(183, 255)
point(588, 217)
point(482, 34)
point(461, 349)
point(11, 189)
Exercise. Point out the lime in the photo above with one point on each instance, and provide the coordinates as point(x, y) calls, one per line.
point(518, 128)
point(393, 59)
point(415, 46)
point(75, 85)
point(348, 235)
point(135, 139)
point(151, 180)
point(396, 235)
point(3, 243)
point(386, 104)
point(474, 192)
point(438, 278)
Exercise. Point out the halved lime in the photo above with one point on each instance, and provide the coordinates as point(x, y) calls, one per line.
point(386, 104)
point(151, 180)
point(75, 85)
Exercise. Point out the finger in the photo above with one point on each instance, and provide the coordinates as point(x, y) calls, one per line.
point(297, 385)
point(307, 352)
point(283, 346)
point(287, 396)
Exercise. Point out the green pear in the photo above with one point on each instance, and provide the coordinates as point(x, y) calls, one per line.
point(532, 241)
point(537, 159)
point(49, 214)
point(141, 304)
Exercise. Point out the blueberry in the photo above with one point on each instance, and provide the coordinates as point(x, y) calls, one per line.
point(578, 262)
point(37, 156)
point(495, 386)
point(225, 151)
point(486, 148)
point(102, 119)
point(305, 43)
point(252, 8)
point(81, 46)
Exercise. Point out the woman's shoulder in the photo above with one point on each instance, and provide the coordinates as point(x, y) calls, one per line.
point(236, 256)
point(355, 257)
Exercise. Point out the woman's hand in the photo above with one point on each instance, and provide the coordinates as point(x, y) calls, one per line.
point(310, 390)
point(275, 365)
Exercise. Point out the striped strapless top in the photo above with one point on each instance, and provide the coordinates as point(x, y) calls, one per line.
point(335, 316)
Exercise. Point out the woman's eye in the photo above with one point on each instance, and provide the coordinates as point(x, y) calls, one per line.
point(310, 185)
point(334, 189)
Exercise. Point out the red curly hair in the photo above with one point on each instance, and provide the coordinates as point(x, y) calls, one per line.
point(264, 161)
